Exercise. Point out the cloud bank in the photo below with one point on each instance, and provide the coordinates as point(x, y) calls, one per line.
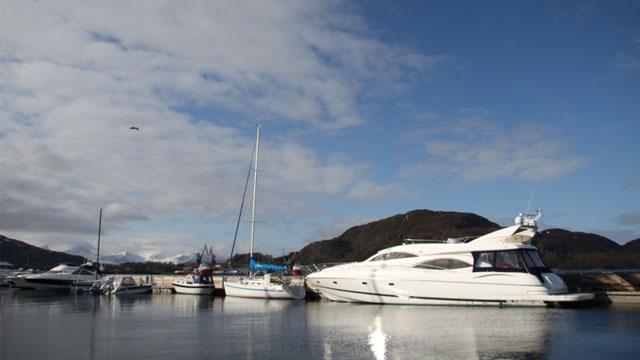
point(190, 75)
point(473, 149)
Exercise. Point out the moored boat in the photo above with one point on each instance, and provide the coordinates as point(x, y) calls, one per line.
point(265, 286)
point(128, 286)
point(61, 277)
point(499, 268)
point(198, 283)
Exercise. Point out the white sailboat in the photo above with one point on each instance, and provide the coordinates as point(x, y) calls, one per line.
point(263, 287)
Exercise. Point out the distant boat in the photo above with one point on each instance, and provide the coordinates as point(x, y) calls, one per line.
point(264, 287)
point(128, 286)
point(7, 271)
point(199, 282)
point(64, 276)
point(499, 268)
point(61, 277)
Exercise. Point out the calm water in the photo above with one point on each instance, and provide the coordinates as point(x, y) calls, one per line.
point(39, 326)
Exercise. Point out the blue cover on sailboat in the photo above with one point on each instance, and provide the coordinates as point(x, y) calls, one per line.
point(256, 266)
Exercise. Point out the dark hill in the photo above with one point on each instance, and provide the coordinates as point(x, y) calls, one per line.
point(566, 243)
point(632, 246)
point(564, 249)
point(24, 255)
point(360, 242)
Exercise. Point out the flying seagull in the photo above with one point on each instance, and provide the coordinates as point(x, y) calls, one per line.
point(134, 128)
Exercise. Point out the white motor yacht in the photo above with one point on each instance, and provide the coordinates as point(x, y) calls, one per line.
point(499, 268)
point(61, 277)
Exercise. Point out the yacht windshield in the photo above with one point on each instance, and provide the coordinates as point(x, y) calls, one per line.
point(509, 261)
point(533, 261)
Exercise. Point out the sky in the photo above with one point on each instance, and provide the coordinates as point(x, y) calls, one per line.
point(368, 109)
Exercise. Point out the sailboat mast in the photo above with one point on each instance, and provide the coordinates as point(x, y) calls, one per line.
point(255, 184)
point(98, 251)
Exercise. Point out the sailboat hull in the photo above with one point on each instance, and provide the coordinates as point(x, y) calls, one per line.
point(260, 290)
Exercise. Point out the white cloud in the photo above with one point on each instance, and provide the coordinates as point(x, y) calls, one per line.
point(632, 218)
point(473, 149)
point(76, 76)
point(629, 61)
point(304, 61)
point(366, 190)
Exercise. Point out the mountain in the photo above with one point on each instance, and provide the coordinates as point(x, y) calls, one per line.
point(179, 259)
point(85, 250)
point(561, 249)
point(565, 249)
point(28, 256)
point(632, 246)
point(360, 242)
point(88, 251)
point(566, 243)
point(122, 257)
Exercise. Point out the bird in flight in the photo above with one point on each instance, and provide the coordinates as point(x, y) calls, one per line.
point(134, 128)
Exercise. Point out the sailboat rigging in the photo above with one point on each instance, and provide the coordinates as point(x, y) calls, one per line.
point(261, 286)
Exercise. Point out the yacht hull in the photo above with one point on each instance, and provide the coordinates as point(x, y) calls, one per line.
point(46, 284)
point(133, 290)
point(468, 289)
point(342, 295)
point(193, 289)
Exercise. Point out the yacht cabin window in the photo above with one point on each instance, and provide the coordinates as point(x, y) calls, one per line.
point(443, 264)
point(484, 260)
point(392, 255)
point(509, 261)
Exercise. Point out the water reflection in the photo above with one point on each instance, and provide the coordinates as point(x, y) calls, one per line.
point(391, 332)
point(35, 326)
point(378, 340)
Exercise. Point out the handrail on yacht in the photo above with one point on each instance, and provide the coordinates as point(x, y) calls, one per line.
point(428, 241)
point(458, 240)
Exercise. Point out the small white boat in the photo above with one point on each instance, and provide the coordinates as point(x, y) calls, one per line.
point(128, 286)
point(264, 288)
point(196, 284)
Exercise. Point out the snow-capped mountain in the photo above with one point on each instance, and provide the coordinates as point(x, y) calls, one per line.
point(85, 250)
point(122, 257)
point(88, 251)
point(180, 259)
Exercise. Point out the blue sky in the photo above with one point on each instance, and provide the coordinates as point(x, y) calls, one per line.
point(369, 109)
